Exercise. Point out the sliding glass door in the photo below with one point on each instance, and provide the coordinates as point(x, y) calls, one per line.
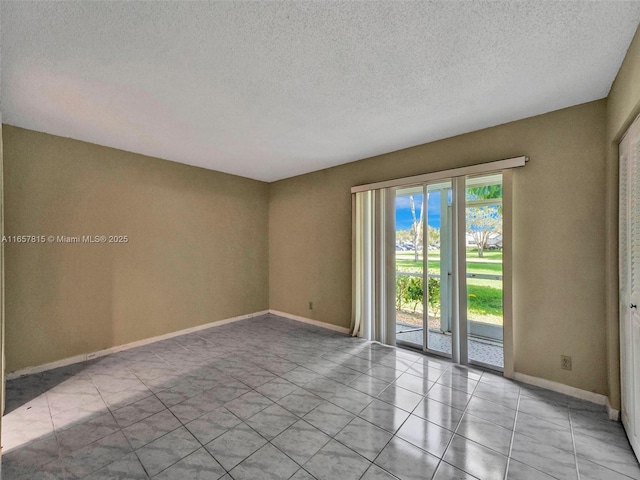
point(409, 266)
point(437, 298)
point(484, 279)
point(448, 268)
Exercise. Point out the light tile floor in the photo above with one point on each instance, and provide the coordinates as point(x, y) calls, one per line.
point(270, 398)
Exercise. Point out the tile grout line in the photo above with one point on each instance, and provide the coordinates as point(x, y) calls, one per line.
point(299, 418)
point(425, 396)
point(118, 430)
point(393, 435)
point(182, 425)
point(513, 434)
point(121, 429)
point(153, 394)
point(573, 442)
point(55, 435)
point(356, 416)
point(464, 412)
point(269, 442)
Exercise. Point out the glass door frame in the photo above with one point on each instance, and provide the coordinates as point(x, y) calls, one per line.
point(457, 295)
point(445, 264)
point(425, 270)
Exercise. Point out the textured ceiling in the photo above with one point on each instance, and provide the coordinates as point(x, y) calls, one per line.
point(269, 90)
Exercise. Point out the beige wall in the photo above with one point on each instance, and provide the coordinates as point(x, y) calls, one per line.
point(558, 244)
point(197, 248)
point(623, 102)
point(623, 105)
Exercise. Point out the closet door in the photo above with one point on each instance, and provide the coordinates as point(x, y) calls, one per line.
point(629, 227)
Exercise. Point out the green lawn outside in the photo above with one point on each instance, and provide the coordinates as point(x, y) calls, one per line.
point(485, 295)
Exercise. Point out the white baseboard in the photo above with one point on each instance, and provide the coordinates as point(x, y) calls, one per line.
point(310, 321)
point(562, 388)
point(612, 412)
point(48, 366)
point(101, 353)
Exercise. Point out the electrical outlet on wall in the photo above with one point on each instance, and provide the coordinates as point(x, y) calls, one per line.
point(565, 362)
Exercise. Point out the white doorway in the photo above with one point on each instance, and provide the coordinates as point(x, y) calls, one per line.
point(630, 282)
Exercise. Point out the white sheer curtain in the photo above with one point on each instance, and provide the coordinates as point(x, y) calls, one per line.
point(373, 313)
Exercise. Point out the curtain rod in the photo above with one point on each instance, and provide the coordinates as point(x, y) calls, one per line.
point(454, 172)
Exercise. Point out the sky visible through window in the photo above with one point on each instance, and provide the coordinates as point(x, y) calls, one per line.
point(404, 220)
